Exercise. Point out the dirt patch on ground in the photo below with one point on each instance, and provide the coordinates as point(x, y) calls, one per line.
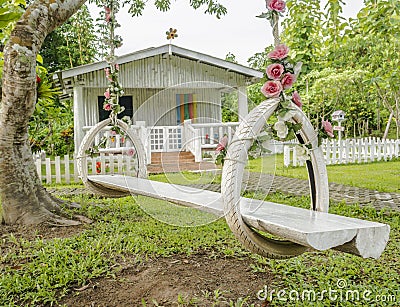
point(195, 280)
point(44, 231)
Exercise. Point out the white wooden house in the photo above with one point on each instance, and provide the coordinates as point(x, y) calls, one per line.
point(164, 87)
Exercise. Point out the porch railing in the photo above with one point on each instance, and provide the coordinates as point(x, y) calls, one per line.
point(202, 137)
point(195, 138)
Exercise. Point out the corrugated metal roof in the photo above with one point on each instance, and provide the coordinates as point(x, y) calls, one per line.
point(165, 49)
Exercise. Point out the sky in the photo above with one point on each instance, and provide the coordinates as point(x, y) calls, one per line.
point(239, 32)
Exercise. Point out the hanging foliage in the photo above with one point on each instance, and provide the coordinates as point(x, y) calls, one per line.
point(114, 89)
point(281, 74)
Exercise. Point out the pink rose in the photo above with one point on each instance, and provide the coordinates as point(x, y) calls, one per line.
point(275, 71)
point(288, 80)
point(107, 94)
point(276, 5)
point(222, 144)
point(279, 53)
point(107, 107)
point(116, 67)
point(297, 99)
point(328, 128)
point(107, 70)
point(108, 13)
point(131, 152)
point(271, 89)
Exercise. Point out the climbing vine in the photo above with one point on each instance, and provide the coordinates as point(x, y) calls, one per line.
point(114, 89)
point(281, 74)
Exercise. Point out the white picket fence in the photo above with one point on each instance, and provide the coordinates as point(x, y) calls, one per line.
point(65, 170)
point(349, 151)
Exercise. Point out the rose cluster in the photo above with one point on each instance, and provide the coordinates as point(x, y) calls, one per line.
point(280, 75)
point(113, 91)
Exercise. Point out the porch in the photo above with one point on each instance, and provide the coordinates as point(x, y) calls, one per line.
point(190, 146)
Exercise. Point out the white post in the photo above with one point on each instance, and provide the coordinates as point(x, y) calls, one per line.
point(103, 164)
point(78, 116)
point(230, 133)
point(111, 163)
point(380, 147)
point(347, 150)
point(294, 156)
point(328, 151)
point(120, 163)
point(359, 151)
point(373, 149)
point(185, 134)
point(57, 163)
point(144, 138)
point(365, 150)
point(48, 171)
point(353, 151)
point(197, 146)
point(76, 175)
point(334, 152)
point(340, 147)
point(286, 155)
point(66, 168)
point(243, 108)
point(39, 168)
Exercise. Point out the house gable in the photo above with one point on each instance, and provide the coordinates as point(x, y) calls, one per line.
point(164, 67)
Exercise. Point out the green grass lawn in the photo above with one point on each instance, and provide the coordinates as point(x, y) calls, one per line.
point(381, 176)
point(35, 271)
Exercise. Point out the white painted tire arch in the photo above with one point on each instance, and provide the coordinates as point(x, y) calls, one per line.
point(87, 143)
point(233, 172)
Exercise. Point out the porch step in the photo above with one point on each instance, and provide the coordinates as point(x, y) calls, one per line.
point(174, 162)
point(171, 157)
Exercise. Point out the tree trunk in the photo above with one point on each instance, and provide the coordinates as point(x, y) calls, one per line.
point(23, 199)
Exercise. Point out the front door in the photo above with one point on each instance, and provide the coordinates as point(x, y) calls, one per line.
point(165, 138)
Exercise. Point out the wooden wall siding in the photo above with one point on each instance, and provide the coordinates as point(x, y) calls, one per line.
point(166, 71)
point(157, 107)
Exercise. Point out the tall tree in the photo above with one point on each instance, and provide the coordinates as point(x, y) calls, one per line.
point(302, 32)
point(374, 45)
point(24, 200)
point(333, 27)
point(72, 44)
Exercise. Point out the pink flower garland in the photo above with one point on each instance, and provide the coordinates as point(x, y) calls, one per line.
point(280, 79)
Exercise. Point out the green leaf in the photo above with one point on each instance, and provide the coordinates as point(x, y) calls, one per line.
point(39, 59)
point(264, 15)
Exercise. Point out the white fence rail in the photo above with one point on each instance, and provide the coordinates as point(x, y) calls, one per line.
point(59, 170)
point(64, 169)
point(349, 151)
